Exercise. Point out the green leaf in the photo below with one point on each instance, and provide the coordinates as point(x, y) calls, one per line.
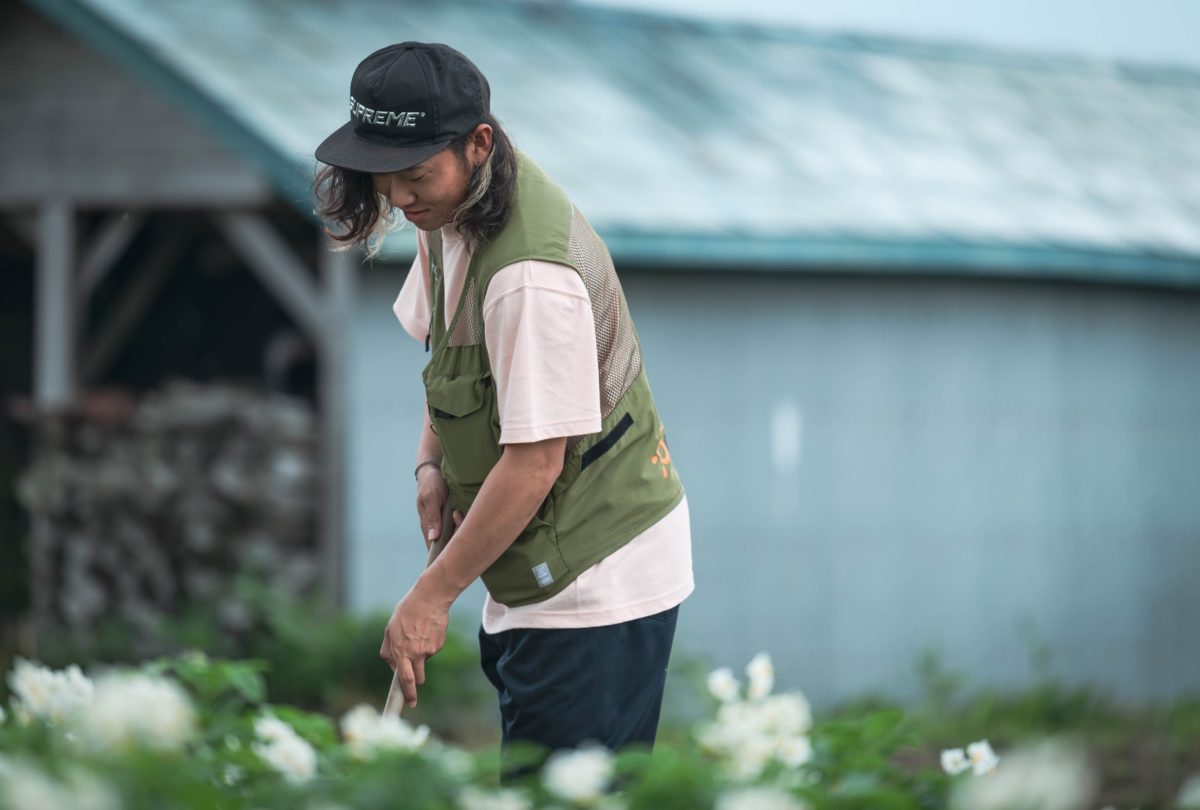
point(246, 678)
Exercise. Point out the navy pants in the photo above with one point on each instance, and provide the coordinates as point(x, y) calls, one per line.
point(561, 688)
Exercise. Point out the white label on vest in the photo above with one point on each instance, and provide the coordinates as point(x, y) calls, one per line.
point(542, 572)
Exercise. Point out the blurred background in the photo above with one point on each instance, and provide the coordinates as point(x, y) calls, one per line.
point(918, 287)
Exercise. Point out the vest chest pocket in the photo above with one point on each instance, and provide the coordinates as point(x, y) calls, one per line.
point(463, 412)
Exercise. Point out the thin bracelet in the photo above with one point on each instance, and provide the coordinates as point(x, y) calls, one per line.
point(436, 461)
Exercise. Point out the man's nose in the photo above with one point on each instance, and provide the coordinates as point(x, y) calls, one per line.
point(398, 192)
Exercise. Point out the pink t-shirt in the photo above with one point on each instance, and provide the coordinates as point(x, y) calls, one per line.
point(541, 342)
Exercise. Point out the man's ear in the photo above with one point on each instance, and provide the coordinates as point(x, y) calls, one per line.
point(479, 145)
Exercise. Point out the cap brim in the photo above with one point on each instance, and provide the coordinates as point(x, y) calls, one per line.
point(346, 150)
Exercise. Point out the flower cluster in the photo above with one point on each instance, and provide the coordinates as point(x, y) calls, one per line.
point(758, 798)
point(979, 757)
point(85, 742)
point(283, 749)
point(579, 776)
point(53, 696)
point(751, 733)
point(121, 710)
point(1051, 775)
point(473, 798)
point(367, 733)
point(25, 785)
point(136, 709)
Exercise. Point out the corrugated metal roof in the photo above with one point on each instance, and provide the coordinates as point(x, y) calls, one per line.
point(693, 143)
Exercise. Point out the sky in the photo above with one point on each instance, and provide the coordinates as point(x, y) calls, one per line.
point(1156, 31)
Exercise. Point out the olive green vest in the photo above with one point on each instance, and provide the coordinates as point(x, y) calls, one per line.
point(614, 484)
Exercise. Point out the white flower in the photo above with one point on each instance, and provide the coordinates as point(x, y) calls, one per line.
point(473, 798)
point(1189, 793)
point(366, 733)
point(269, 729)
point(983, 758)
point(24, 786)
point(231, 774)
point(293, 758)
point(722, 685)
point(457, 763)
point(749, 759)
point(750, 734)
point(1049, 776)
point(758, 798)
point(788, 713)
point(580, 775)
point(284, 750)
point(139, 709)
point(954, 761)
point(21, 714)
point(794, 751)
point(761, 673)
point(52, 696)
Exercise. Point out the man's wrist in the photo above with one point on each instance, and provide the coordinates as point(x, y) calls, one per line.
point(436, 585)
point(429, 462)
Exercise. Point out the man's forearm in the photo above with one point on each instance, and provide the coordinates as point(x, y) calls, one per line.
point(428, 446)
point(509, 498)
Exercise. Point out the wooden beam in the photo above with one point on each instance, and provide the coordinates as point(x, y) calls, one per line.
point(116, 232)
point(339, 270)
point(277, 267)
point(54, 330)
point(133, 305)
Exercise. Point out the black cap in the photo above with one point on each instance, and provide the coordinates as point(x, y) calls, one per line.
point(407, 102)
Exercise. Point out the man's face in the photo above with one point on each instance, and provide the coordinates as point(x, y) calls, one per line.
point(428, 193)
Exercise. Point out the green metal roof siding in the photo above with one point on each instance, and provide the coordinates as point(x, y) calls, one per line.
point(702, 144)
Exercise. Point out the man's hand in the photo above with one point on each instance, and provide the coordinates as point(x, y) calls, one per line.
point(507, 501)
point(416, 631)
point(431, 497)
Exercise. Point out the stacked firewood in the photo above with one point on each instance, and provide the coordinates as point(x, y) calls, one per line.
point(139, 513)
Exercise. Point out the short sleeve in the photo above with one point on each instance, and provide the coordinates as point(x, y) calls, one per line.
point(412, 304)
point(541, 341)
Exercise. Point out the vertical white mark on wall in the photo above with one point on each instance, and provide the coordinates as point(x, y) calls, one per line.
point(787, 436)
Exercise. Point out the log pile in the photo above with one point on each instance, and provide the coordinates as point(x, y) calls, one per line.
point(138, 514)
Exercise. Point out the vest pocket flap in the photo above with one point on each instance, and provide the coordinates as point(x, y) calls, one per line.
point(455, 397)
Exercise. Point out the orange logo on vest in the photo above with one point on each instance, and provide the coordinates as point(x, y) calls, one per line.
point(663, 456)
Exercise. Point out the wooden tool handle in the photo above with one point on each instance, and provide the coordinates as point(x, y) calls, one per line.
point(394, 704)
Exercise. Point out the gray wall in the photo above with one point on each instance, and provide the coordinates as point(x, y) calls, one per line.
point(878, 466)
point(79, 127)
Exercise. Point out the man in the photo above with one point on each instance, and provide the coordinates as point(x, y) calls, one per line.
point(540, 433)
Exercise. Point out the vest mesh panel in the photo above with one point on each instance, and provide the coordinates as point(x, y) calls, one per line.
point(469, 329)
point(617, 349)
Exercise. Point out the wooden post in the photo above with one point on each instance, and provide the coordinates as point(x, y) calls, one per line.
point(54, 331)
point(54, 367)
point(338, 272)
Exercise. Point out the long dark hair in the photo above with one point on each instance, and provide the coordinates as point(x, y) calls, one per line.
point(347, 201)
